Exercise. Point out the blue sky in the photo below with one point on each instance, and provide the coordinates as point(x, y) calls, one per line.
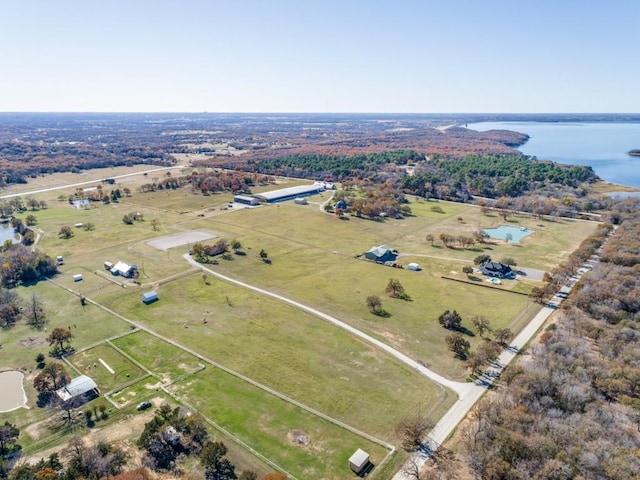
point(320, 56)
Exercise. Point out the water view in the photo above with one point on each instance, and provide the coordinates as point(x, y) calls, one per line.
point(7, 233)
point(601, 145)
point(506, 232)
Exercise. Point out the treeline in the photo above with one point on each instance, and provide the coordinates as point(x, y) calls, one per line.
point(572, 409)
point(331, 167)
point(554, 421)
point(20, 160)
point(19, 265)
point(612, 292)
point(493, 176)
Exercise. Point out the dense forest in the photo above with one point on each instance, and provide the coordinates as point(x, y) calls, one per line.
point(35, 144)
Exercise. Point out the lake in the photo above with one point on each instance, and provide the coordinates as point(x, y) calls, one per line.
point(601, 145)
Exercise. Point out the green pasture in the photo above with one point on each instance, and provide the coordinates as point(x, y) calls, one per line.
point(339, 285)
point(88, 363)
point(144, 389)
point(286, 349)
point(263, 421)
point(313, 261)
point(166, 361)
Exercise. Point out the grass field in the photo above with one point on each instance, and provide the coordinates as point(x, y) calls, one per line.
point(166, 361)
point(314, 262)
point(88, 363)
point(284, 348)
point(264, 423)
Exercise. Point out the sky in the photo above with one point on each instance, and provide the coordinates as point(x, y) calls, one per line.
point(396, 56)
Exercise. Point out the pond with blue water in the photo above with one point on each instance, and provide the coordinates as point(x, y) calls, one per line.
point(501, 232)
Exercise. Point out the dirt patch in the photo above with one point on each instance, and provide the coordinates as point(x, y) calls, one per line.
point(127, 429)
point(298, 437)
point(32, 342)
point(179, 239)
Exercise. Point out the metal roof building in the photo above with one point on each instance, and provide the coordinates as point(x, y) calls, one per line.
point(76, 388)
point(149, 297)
point(291, 192)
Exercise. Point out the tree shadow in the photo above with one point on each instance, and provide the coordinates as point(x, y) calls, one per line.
point(465, 331)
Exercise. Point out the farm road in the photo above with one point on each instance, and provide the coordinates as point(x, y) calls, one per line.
point(462, 389)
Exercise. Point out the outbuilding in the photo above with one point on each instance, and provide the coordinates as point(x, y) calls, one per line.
point(77, 277)
point(78, 387)
point(413, 266)
point(291, 193)
point(149, 297)
point(382, 253)
point(246, 200)
point(300, 201)
point(359, 461)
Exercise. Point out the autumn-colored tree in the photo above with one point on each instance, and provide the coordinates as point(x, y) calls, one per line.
point(65, 232)
point(458, 345)
point(394, 288)
point(52, 377)
point(61, 338)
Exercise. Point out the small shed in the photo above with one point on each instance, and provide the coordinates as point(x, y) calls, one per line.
point(413, 266)
point(359, 461)
point(59, 259)
point(300, 201)
point(149, 297)
point(77, 277)
point(108, 265)
point(79, 225)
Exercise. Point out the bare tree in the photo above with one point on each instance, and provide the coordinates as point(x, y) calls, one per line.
point(413, 429)
point(34, 312)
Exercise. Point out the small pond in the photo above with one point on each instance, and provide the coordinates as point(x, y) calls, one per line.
point(13, 394)
point(501, 232)
point(81, 204)
point(8, 233)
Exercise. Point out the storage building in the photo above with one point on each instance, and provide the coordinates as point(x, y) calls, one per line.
point(149, 297)
point(359, 461)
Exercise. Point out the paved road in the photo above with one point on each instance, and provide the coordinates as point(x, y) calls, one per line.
point(459, 410)
point(79, 184)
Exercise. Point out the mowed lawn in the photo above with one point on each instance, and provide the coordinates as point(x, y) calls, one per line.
point(313, 261)
point(286, 349)
point(267, 423)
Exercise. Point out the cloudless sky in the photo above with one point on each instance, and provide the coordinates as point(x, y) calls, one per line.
point(320, 55)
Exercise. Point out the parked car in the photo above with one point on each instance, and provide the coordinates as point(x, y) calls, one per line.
point(143, 405)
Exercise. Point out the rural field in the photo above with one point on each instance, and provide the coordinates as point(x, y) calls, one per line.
point(259, 370)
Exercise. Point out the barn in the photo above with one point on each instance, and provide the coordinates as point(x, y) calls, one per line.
point(291, 193)
point(78, 387)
